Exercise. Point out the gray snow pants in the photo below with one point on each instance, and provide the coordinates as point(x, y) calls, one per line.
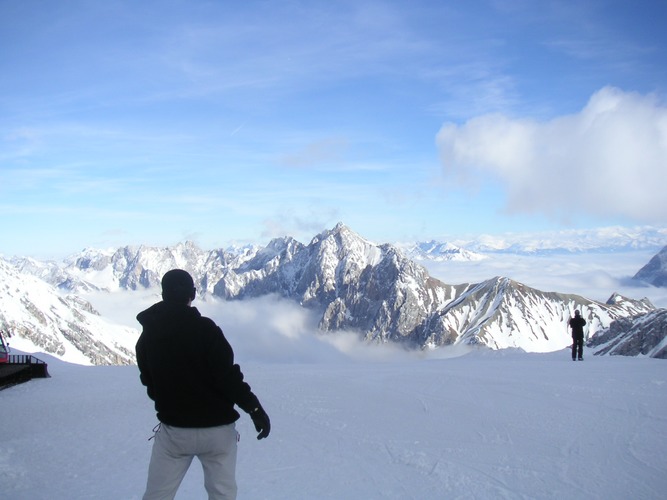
point(173, 451)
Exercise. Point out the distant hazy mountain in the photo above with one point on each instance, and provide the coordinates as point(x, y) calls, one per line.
point(437, 251)
point(643, 335)
point(655, 272)
point(609, 239)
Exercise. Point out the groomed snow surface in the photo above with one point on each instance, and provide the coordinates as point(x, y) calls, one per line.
point(502, 424)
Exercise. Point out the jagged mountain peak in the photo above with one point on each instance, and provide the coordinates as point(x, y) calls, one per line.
point(189, 244)
point(616, 299)
point(345, 244)
point(278, 250)
point(342, 234)
point(278, 245)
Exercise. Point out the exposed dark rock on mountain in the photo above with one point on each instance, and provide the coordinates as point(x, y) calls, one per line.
point(642, 335)
point(655, 272)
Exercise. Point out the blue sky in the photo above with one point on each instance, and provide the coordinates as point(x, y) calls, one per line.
point(125, 122)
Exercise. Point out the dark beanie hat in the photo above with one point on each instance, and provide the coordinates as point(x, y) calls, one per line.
point(178, 286)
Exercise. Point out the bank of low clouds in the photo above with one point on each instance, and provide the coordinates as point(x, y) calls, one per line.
point(607, 160)
point(595, 276)
point(276, 330)
point(267, 329)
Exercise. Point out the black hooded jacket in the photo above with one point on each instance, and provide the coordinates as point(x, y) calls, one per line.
point(188, 368)
point(577, 324)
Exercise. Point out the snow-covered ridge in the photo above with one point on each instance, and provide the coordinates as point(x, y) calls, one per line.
point(39, 318)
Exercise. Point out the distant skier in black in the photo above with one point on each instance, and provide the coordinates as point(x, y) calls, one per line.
point(577, 324)
point(188, 368)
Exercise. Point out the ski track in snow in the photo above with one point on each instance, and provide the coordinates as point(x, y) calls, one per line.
point(502, 425)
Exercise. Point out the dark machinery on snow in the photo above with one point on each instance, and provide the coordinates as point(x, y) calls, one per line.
point(18, 368)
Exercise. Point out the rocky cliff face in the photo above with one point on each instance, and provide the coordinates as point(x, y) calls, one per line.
point(642, 335)
point(655, 272)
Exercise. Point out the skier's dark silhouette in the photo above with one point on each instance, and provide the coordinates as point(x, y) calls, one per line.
point(577, 324)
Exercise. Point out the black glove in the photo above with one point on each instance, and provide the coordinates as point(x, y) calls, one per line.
point(261, 421)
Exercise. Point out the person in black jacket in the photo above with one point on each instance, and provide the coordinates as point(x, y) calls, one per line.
point(577, 324)
point(187, 366)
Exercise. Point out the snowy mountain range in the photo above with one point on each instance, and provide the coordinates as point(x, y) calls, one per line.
point(438, 251)
point(608, 239)
point(351, 283)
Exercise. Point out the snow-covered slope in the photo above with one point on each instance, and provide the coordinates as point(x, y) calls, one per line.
point(39, 318)
point(489, 425)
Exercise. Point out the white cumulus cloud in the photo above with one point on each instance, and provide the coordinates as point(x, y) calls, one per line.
point(610, 159)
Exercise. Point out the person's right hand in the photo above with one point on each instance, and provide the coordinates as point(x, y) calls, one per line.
point(261, 421)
